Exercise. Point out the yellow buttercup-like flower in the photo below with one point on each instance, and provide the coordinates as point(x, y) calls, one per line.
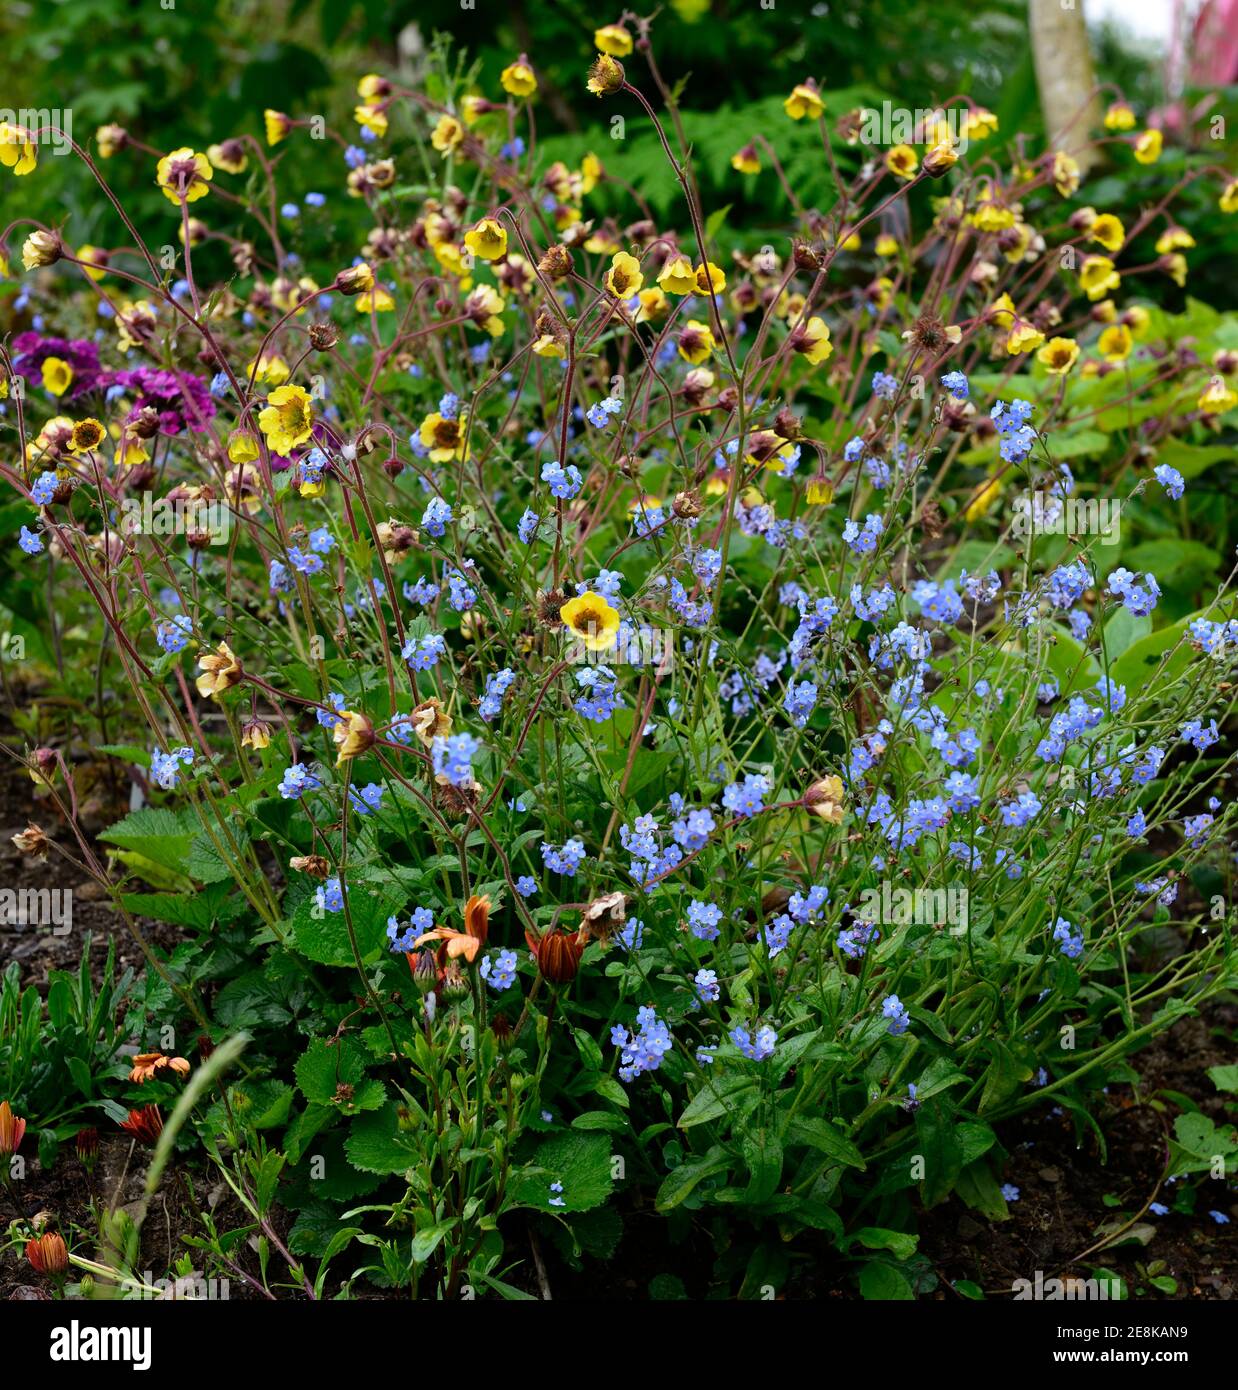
point(613, 39)
point(184, 176)
point(1174, 239)
point(746, 161)
point(812, 340)
point(1228, 201)
point(1115, 343)
point(242, 447)
point(1097, 276)
point(805, 100)
point(270, 370)
point(902, 161)
point(982, 503)
point(624, 278)
point(376, 301)
point(17, 150)
point(696, 342)
point(1119, 117)
point(371, 118)
point(518, 78)
point(445, 439)
point(447, 134)
point(606, 75)
point(57, 375)
point(1108, 231)
point(1023, 337)
point(87, 436)
point(1058, 356)
point(1065, 173)
point(1148, 146)
point(677, 276)
point(287, 419)
point(1217, 399)
point(277, 126)
point(591, 619)
point(220, 671)
point(710, 279)
point(487, 240)
point(228, 155)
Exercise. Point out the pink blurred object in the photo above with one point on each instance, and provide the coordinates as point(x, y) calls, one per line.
point(1214, 44)
point(1209, 60)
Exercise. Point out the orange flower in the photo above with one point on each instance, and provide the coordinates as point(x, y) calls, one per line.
point(148, 1065)
point(558, 953)
point(145, 1124)
point(48, 1254)
point(464, 943)
point(12, 1127)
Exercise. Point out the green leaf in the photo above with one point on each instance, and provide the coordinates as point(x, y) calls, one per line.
point(377, 1144)
point(821, 1135)
point(157, 834)
point(580, 1161)
point(715, 1099)
point(323, 936)
point(1225, 1078)
point(680, 1182)
point(880, 1282)
point(899, 1243)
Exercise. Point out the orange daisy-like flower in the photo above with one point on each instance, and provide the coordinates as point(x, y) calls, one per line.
point(466, 943)
point(148, 1065)
point(12, 1127)
point(145, 1124)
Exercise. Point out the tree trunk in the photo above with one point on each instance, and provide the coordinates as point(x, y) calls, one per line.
point(1065, 77)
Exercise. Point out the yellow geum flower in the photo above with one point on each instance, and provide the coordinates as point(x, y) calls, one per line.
point(1097, 276)
point(746, 161)
point(709, 279)
point(851, 242)
point(591, 172)
point(487, 240)
point(484, 307)
point(1115, 343)
point(1217, 398)
point(1228, 201)
point(371, 86)
point(624, 278)
point(902, 161)
point(242, 447)
point(1174, 239)
point(270, 370)
point(592, 620)
point(982, 503)
point(287, 420)
point(110, 139)
point(277, 126)
point(447, 134)
point(41, 249)
point(696, 342)
point(1136, 318)
point(613, 39)
point(452, 259)
point(375, 301)
point(518, 78)
point(17, 150)
point(1023, 337)
point(886, 246)
point(979, 124)
point(812, 340)
point(677, 276)
point(1175, 267)
point(805, 100)
point(825, 798)
point(371, 118)
point(1058, 356)
point(220, 671)
point(606, 75)
point(184, 176)
point(654, 305)
point(1108, 231)
point(1065, 174)
point(87, 435)
point(445, 439)
point(1148, 146)
point(228, 155)
point(1119, 117)
point(548, 346)
point(57, 375)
